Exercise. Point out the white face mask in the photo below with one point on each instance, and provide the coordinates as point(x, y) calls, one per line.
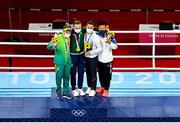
point(89, 30)
point(67, 35)
point(77, 30)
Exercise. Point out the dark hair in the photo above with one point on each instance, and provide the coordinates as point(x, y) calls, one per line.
point(76, 22)
point(102, 23)
point(91, 22)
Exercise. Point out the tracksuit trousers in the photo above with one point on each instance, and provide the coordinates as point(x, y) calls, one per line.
point(62, 72)
point(91, 72)
point(105, 73)
point(77, 65)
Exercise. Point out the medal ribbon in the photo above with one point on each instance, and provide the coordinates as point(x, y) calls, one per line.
point(77, 40)
point(88, 38)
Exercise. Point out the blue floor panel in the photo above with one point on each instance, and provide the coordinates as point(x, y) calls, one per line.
point(24, 107)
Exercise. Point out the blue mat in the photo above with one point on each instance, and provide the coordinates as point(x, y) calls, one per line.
point(39, 84)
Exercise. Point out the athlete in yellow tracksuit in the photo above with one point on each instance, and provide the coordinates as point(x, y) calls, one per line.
point(62, 61)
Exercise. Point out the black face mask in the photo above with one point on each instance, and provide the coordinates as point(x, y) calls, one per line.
point(102, 33)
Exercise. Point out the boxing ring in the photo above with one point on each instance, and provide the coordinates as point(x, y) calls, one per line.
point(121, 81)
point(134, 93)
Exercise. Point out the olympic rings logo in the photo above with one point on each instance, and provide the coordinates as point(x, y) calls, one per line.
point(78, 113)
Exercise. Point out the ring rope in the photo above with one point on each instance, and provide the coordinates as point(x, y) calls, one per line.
point(153, 44)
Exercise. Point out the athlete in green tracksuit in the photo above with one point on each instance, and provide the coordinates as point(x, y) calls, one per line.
point(62, 61)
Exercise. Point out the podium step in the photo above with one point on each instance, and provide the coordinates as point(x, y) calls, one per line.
point(113, 108)
point(78, 109)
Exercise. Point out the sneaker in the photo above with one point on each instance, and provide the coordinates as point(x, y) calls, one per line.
point(59, 96)
point(81, 92)
point(66, 96)
point(75, 93)
point(100, 90)
point(92, 93)
point(88, 90)
point(105, 93)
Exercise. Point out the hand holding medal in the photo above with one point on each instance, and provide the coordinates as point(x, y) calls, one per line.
point(55, 38)
point(54, 41)
point(109, 35)
point(87, 53)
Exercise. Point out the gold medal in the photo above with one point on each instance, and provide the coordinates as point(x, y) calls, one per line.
point(107, 40)
point(77, 49)
point(87, 45)
point(54, 39)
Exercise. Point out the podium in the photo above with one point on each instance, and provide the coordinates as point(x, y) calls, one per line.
point(78, 109)
point(93, 109)
point(90, 109)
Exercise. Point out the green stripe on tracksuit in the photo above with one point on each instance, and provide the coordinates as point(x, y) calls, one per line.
point(62, 61)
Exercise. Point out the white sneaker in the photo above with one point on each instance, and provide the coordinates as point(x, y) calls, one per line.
point(81, 92)
point(88, 90)
point(75, 93)
point(92, 93)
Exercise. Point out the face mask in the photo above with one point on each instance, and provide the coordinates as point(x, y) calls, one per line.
point(102, 33)
point(77, 30)
point(67, 35)
point(89, 30)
